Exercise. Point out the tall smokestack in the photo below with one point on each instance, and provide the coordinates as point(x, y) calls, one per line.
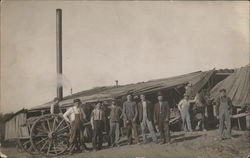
point(59, 52)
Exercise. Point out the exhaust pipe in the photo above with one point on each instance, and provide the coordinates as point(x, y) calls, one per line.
point(59, 69)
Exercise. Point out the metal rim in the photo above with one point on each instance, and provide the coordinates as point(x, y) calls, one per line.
point(26, 145)
point(50, 135)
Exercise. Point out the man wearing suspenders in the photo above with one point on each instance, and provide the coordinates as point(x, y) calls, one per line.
point(223, 113)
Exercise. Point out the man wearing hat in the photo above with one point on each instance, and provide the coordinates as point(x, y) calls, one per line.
point(130, 113)
point(223, 112)
point(54, 108)
point(161, 118)
point(146, 112)
point(97, 123)
point(73, 115)
point(184, 106)
point(189, 90)
point(115, 116)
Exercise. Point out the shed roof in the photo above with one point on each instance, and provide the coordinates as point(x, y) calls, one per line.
point(198, 79)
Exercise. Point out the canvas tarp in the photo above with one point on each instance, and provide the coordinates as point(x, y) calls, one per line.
point(237, 86)
point(198, 79)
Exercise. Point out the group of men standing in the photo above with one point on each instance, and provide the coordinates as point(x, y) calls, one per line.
point(150, 116)
point(145, 112)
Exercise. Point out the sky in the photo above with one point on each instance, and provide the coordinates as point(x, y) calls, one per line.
point(129, 41)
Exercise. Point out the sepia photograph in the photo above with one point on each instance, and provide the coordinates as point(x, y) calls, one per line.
point(124, 79)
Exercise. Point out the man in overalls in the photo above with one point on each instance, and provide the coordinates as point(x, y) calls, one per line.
point(184, 106)
point(97, 123)
point(72, 115)
point(223, 113)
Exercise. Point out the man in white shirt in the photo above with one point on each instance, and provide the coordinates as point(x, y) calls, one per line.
point(184, 106)
point(72, 115)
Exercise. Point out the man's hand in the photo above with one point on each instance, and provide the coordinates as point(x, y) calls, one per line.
point(127, 121)
point(217, 117)
point(93, 127)
point(134, 119)
point(157, 128)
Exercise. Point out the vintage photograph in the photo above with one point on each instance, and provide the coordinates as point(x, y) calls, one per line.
point(125, 79)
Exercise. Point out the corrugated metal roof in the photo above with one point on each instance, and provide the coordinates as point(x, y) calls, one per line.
point(237, 86)
point(198, 79)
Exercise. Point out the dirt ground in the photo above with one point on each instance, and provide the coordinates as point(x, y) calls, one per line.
point(191, 145)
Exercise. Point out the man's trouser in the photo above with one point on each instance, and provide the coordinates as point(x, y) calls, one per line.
point(148, 123)
point(82, 139)
point(114, 132)
point(97, 134)
point(131, 125)
point(200, 116)
point(225, 122)
point(74, 133)
point(186, 120)
point(164, 130)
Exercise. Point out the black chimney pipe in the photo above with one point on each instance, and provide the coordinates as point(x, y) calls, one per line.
point(59, 69)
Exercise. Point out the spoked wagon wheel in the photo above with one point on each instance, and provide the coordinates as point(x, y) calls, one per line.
point(50, 134)
point(24, 144)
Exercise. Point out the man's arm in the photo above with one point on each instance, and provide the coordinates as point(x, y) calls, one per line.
point(66, 114)
point(167, 111)
point(179, 105)
point(155, 112)
point(52, 108)
point(124, 112)
point(230, 104)
point(194, 100)
point(92, 119)
point(217, 104)
point(136, 112)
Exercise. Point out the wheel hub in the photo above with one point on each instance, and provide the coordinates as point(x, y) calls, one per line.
point(51, 135)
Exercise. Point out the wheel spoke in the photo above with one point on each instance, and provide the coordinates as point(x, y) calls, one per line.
point(59, 125)
point(41, 130)
point(49, 148)
point(54, 147)
point(48, 125)
point(26, 142)
point(54, 122)
point(36, 136)
point(41, 141)
point(62, 129)
point(44, 145)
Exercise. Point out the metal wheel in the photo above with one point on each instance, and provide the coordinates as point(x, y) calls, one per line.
point(50, 135)
point(25, 145)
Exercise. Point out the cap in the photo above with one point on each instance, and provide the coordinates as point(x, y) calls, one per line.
point(223, 90)
point(76, 100)
point(186, 95)
point(159, 94)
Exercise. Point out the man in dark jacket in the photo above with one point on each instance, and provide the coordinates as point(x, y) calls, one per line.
point(161, 118)
point(130, 112)
point(145, 109)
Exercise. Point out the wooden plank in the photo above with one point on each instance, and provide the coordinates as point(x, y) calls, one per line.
point(240, 115)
